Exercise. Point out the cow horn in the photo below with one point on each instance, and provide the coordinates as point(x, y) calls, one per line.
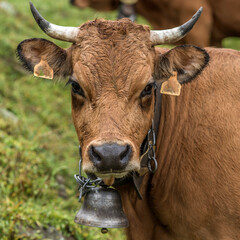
point(174, 34)
point(68, 34)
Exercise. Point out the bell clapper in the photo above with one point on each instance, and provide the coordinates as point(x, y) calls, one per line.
point(104, 230)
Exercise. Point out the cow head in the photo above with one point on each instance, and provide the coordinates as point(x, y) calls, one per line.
point(113, 69)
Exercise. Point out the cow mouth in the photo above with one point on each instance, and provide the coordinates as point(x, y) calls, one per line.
point(112, 178)
point(111, 174)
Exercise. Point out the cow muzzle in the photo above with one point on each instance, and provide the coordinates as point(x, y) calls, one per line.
point(110, 157)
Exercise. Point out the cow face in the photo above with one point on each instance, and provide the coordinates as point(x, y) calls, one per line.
point(112, 95)
point(113, 68)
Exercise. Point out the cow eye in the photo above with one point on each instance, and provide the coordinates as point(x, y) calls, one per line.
point(147, 90)
point(76, 88)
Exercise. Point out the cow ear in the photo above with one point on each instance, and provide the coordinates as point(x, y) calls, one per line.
point(185, 62)
point(39, 54)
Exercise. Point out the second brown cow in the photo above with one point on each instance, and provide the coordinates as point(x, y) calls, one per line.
point(220, 19)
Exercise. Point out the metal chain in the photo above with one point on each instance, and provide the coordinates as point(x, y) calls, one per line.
point(151, 150)
point(85, 184)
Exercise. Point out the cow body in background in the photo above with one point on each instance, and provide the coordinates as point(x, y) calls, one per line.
point(220, 18)
point(113, 68)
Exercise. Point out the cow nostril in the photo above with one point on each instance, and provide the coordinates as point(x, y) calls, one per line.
point(95, 154)
point(125, 153)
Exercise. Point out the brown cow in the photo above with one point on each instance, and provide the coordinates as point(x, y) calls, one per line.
point(195, 192)
point(220, 18)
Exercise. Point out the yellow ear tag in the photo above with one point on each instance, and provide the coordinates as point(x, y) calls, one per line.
point(171, 86)
point(43, 70)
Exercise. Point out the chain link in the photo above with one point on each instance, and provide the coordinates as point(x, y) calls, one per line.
point(151, 150)
point(85, 184)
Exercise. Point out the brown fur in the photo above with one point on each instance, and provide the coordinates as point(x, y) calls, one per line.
point(219, 19)
point(194, 194)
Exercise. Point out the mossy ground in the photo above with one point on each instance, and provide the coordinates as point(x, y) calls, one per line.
point(39, 152)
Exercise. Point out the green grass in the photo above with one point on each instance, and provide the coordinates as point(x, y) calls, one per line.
point(39, 153)
point(231, 42)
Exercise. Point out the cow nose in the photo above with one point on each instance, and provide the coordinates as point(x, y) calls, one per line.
point(110, 157)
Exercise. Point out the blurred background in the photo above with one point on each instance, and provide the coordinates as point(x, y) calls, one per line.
point(38, 143)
